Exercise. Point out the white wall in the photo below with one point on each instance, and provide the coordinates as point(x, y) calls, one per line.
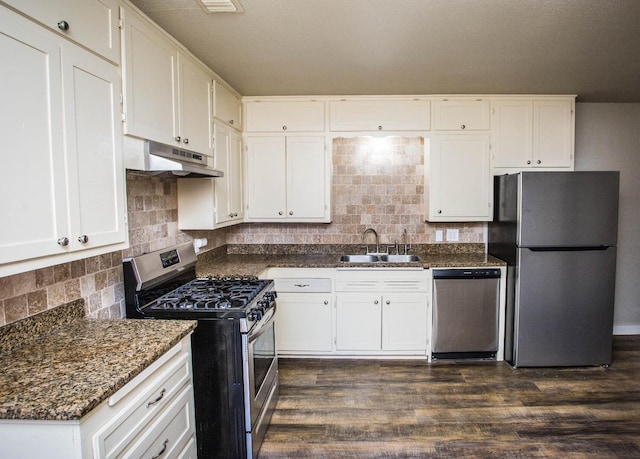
point(608, 138)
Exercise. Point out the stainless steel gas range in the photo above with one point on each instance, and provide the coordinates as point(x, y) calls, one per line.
point(235, 366)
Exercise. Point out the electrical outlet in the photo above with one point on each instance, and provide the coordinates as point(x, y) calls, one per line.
point(438, 235)
point(452, 235)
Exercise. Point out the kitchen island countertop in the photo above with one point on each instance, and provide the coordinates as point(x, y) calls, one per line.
point(66, 372)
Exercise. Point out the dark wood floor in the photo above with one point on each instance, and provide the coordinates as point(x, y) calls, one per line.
point(363, 408)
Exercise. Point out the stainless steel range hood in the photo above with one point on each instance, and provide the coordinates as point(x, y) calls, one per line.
point(159, 159)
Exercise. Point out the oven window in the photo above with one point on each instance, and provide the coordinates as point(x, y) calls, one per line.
point(264, 352)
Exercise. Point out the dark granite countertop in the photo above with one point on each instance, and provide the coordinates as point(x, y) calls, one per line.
point(65, 372)
point(239, 263)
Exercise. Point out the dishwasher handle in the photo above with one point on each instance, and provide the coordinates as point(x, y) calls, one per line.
point(484, 273)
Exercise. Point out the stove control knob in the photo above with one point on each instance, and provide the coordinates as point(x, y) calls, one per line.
point(255, 314)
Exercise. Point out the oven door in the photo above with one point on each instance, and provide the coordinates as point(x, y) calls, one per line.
point(262, 367)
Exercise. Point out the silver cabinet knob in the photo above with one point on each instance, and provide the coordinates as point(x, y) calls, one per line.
point(84, 239)
point(388, 302)
point(439, 211)
point(379, 128)
point(231, 122)
point(63, 241)
point(326, 302)
point(186, 141)
point(376, 302)
point(63, 25)
point(291, 212)
point(284, 128)
point(231, 215)
point(529, 161)
point(280, 213)
point(178, 138)
point(463, 127)
point(539, 162)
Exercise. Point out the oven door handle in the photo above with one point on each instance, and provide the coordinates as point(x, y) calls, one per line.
point(263, 325)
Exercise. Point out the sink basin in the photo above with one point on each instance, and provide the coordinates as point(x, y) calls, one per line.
point(359, 258)
point(400, 258)
point(380, 258)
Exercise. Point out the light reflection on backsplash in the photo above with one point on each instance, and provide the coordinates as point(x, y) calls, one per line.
point(377, 183)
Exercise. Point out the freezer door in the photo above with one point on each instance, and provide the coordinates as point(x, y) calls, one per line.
point(564, 308)
point(568, 209)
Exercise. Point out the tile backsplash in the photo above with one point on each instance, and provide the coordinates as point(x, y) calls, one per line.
point(376, 182)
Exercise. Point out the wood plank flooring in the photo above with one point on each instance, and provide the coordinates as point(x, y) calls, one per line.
point(399, 408)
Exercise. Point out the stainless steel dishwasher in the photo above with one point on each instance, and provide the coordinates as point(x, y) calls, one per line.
point(465, 313)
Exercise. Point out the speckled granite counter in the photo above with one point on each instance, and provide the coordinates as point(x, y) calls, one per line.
point(69, 370)
point(222, 264)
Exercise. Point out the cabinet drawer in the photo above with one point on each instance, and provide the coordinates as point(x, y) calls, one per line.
point(169, 434)
point(91, 23)
point(461, 114)
point(141, 405)
point(303, 285)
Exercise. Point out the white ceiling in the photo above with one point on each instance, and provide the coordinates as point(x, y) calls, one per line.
point(317, 47)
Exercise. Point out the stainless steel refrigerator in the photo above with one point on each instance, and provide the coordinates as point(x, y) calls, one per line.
point(557, 231)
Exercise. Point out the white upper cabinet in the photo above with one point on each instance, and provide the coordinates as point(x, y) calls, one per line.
point(380, 115)
point(71, 195)
point(461, 114)
point(208, 203)
point(532, 133)
point(91, 23)
point(167, 95)
point(194, 114)
point(553, 133)
point(287, 179)
point(284, 116)
point(457, 178)
point(227, 107)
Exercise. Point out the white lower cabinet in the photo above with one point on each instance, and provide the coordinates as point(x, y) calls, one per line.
point(304, 312)
point(152, 416)
point(382, 312)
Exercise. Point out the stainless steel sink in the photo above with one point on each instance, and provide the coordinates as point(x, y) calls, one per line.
point(380, 258)
point(359, 258)
point(400, 258)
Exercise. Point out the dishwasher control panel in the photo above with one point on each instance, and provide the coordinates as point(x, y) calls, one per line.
point(484, 273)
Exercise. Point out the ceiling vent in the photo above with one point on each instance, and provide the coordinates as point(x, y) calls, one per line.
point(222, 6)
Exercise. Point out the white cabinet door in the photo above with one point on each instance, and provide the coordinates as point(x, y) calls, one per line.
point(461, 114)
point(286, 179)
point(304, 323)
point(266, 178)
point(228, 189)
point(33, 165)
point(306, 176)
point(404, 321)
point(512, 133)
point(553, 133)
point(71, 195)
point(194, 114)
point(380, 115)
point(359, 322)
point(227, 106)
point(280, 116)
point(149, 73)
point(457, 180)
point(94, 149)
point(92, 23)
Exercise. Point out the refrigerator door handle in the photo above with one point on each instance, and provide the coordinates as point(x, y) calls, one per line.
point(568, 249)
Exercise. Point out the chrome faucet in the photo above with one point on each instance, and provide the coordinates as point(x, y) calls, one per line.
point(377, 238)
point(407, 244)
